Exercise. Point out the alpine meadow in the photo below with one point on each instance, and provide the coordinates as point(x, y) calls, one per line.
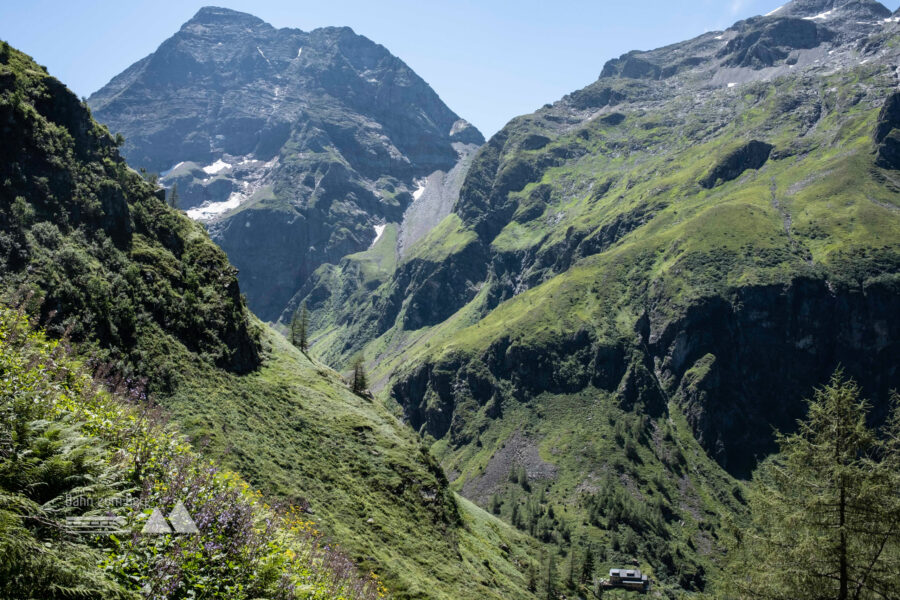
point(277, 323)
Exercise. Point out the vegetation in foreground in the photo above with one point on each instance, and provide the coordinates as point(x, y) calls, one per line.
point(71, 449)
point(826, 509)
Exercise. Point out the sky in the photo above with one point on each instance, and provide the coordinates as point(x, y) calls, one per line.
point(489, 60)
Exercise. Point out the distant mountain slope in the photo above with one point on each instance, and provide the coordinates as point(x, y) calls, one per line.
point(676, 253)
point(88, 247)
point(295, 144)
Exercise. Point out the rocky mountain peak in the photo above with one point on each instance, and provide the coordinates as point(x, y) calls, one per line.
point(294, 146)
point(215, 15)
point(826, 10)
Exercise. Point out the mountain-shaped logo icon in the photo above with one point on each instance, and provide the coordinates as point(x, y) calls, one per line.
point(181, 522)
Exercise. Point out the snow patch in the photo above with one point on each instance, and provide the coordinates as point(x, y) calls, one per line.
point(420, 189)
point(299, 52)
point(379, 231)
point(732, 84)
point(212, 209)
point(821, 16)
point(216, 167)
point(892, 20)
point(258, 49)
point(774, 11)
point(720, 37)
point(167, 171)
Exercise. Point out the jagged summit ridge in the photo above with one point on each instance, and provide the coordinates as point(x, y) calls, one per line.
point(792, 34)
point(218, 14)
point(827, 9)
point(224, 66)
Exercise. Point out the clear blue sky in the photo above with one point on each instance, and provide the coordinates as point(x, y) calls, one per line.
point(489, 60)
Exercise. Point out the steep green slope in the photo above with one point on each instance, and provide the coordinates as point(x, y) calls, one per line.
point(660, 265)
point(91, 249)
point(294, 428)
point(100, 253)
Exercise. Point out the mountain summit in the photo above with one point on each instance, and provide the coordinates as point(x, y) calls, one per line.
point(296, 144)
point(828, 9)
point(229, 83)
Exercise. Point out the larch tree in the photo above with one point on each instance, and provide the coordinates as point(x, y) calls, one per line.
point(550, 579)
point(825, 511)
point(300, 328)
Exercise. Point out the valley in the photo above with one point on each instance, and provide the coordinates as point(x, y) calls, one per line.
point(592, 341)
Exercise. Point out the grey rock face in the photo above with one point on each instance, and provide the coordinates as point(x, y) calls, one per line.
point(858, 9)
point(887, 134)
point(756, 43)
point(772, 40)
point(433, 201)
point(292, 144)
point(751, 155)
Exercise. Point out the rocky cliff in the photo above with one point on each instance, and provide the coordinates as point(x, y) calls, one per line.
point(291, 145)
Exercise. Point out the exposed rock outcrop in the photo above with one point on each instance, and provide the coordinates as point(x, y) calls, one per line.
point(887, 134)
point(751, 155)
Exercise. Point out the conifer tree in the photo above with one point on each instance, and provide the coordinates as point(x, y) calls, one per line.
point(149, 177)
point(173, 196)
point(360, 381)
point(826, 510)
point(550, 579)
point(587, 566)
point(300, 328)
point(304, 328)
point(495, 504)
point(294, 336)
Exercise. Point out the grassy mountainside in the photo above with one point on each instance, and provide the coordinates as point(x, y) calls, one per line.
point(90, 248)
point(294, 427)
point(639, 281)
